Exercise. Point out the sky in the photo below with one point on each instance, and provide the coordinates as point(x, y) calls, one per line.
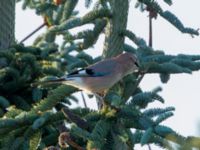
point(183, 90)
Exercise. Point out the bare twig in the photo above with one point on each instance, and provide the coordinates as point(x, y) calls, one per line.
point(149, 147)
point(84, 100)
point(36, 30)
point(150, 30)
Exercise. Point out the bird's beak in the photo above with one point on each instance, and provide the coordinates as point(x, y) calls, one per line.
point(137, 64)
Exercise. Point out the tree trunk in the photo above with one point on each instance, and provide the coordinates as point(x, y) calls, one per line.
point(114, 41)
point(7, 23)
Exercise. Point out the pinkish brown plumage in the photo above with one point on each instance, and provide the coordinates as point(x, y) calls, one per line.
point(102, 75)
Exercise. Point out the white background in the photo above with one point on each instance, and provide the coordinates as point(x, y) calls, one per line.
point(183, 90)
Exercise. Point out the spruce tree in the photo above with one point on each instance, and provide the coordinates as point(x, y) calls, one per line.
point(41, 117)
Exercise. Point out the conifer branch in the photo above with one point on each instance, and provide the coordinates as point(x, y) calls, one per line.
point(170, 17)
point(28, 119)
point(114, 42)
point(53, 98)
point(138, 41)
point(75, 22)
point(68, 9)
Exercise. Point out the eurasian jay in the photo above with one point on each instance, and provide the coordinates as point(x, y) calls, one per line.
point(101, 76)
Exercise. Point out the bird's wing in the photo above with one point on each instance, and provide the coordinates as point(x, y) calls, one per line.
point(99, 69)
point(81, 73)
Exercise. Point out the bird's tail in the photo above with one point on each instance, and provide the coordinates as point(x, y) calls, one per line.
point(54, 81)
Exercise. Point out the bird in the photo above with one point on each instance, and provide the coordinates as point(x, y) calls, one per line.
point(98, 78)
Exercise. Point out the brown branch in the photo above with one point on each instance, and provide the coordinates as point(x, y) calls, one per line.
point(74, 118)
point(65, 140)
point(33, 32)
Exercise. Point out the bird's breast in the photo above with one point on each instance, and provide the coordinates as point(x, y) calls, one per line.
point(93, 84)
point(100, 84)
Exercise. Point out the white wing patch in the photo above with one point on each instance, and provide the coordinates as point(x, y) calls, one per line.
point(74, 81)
point(82, 72)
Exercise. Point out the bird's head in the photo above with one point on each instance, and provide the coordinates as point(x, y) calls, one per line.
point(129, 61)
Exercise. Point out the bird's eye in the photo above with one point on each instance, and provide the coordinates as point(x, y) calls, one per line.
point(89, 71)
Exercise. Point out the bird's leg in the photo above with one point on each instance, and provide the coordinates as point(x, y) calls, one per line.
point(99, 98)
